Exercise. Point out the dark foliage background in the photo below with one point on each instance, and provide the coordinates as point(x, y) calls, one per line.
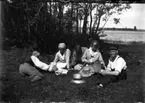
point(42, 25)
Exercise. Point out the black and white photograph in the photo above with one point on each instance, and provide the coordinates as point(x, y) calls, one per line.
point(72, 51)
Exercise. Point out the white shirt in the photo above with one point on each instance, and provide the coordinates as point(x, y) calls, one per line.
point(62, 58)
point(39, 64)
point(118, 64)
point(92, 56)
point(92, 53)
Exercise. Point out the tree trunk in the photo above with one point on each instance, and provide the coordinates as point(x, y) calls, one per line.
point(50, 7)
point(80, 26)
point(95, 35)
point(95, 22)
point(77, 23)
point(70, 21)
point(98, 24)
point(60, 15)
point(28, 25)
point(85, 22)
point(91, 19)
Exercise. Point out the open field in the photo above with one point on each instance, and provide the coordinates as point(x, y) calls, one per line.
point(17, 89)
point(124, 36)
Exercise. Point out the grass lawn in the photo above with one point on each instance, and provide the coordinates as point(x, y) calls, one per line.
point(18, 89)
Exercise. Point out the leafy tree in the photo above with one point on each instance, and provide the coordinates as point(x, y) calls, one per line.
point(104, 11)
point(45, 23)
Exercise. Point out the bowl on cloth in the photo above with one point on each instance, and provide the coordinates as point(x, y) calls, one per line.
point(78, 81)
point(87, 71)
point(77, 76)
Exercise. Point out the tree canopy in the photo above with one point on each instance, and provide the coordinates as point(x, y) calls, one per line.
point(44, 23)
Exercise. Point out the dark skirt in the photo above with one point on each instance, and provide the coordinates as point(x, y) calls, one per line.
point(106, 79)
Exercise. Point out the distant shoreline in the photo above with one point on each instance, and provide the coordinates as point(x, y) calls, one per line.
point(123, 29)
point(122, 42)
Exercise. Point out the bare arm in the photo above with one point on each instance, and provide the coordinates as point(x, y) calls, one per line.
point(107, 72)
point(98, 57)
point(73, 59)
point(56, 58)
point(39, 64)
point(84, 57)
point(109, 66)
point(68, 53)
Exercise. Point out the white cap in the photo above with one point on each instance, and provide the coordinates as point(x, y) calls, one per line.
point(61, 45)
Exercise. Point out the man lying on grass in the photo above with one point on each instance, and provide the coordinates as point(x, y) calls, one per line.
point(28, 67)
point(115, 70)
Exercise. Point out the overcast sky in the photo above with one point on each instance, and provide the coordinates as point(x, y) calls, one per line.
point(133, 17)
point(128, 19)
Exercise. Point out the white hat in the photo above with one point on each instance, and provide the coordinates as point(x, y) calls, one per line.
point(61, 45)
point(77, 79)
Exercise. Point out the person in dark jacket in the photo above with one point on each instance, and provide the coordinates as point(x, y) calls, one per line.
point(28, 67)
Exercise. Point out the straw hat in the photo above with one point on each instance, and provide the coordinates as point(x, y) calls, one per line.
point(77, 79)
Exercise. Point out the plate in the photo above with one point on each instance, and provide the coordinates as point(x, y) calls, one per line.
point(78, 81)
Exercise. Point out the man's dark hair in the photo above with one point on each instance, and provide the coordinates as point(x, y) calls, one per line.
point(94, 41)
point(113, 47)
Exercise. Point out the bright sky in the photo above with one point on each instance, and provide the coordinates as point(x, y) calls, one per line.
point(132, 17)
point(128, 19)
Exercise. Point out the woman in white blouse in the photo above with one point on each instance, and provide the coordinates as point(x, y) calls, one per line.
point(115, 70)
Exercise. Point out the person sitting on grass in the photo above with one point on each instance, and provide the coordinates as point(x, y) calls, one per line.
point(116, 69)
point(76, 56)
point(61, 63)
point(28, 67)
point(93, 58)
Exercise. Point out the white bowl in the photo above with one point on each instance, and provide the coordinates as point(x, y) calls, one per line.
point(77, 76)
point(78, 81)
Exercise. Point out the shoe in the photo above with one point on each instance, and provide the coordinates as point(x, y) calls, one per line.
point(57, 73)
point(100, 85)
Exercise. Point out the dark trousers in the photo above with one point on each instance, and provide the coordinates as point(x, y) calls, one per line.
point(106, 79)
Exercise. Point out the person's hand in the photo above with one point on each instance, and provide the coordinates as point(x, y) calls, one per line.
point(103, 72)
point(68, 66)
point(84, 60)
point(104, 67)
point(90, 61)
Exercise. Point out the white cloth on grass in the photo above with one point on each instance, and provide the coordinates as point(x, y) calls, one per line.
point(60, 68)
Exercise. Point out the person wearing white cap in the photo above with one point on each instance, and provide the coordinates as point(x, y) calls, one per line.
point(61, 60)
